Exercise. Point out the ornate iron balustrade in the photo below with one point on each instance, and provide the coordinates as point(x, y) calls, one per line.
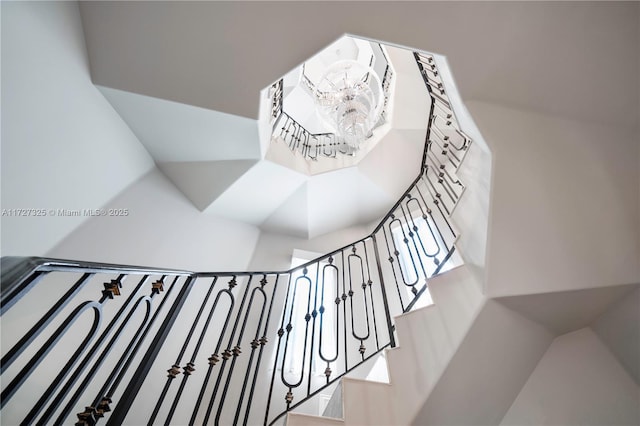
point(86, 341)
point(310, 145)
point(387, 78)
point(277, 97)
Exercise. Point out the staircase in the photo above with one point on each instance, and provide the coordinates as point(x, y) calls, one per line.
point(427, 337)
point(252, 347)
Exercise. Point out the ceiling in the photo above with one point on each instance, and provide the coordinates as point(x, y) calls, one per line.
point(573, 59)
point(186, 77)
point(216, 160)
point(566, 311)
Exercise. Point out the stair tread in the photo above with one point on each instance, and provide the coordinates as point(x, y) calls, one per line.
point(308, 419)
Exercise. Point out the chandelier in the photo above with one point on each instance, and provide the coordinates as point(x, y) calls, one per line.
point(350, 99)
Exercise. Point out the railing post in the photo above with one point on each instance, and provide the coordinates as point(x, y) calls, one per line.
point(390, 326)
point(130, 393)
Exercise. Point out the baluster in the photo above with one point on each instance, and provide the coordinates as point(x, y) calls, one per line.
point(255, 343)
point(111, 289)
point(391, 260)
point(189, 367)
point(263, 342)
point(363, 285)
point(336, 302)
point(175, 368)
point(226, 355)
point(370, 285)
point(275, 360)
point(289, 328)
point(385, 302)
point(344, 312)
point(157, 287)
point(35, 331)
point(131, 391)
point(215, 354)
point(103, 355)
point(314, 314)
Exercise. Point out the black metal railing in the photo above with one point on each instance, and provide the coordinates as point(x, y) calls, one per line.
point(276, 95)
point(310, 145)
point(85, 341)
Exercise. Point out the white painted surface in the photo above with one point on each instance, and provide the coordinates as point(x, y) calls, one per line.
point(411, 101)
point(350, 196)
point(257, 193)
point(619, 329)
point(297, 419)
point(577, 382)
point(343, 198)
point(429, 337)
point(491, 365)
point(189, 144)
point(172, 131)
point(557, 57)
point(471, 215)
point(564, 311)
point(379, 371)
point(281, 200)
point(63, 145)
point(162, 229)
point(565, 203)
point(273, 250)
point(291, 217)
point(204, 181)
point(395, 161)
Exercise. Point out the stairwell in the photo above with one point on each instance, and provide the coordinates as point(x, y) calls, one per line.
point(432, 198)
point(427, 340)
point(477, 356)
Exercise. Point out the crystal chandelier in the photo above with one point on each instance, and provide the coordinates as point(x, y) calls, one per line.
point(350, 100)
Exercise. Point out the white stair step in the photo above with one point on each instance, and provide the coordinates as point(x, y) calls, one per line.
point(428, 339)
point(296, 419)
point(368, 403)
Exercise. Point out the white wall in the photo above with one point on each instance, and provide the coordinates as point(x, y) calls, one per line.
point(63, 145)
point(162, 229)
point(564, 202)
point(490, 366)
point(171, 131)
point(471, 215)
point(577, 382)
point(429, 338)
point(619, 329)
point(273, 251)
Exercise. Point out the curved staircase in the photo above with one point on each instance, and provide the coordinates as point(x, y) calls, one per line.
point(427, 339)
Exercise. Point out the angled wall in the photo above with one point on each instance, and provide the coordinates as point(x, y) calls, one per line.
point(63, 145)
point(577, 382)
point(565, 202)
point(619, 329)
point(491, 365)
point(162, 228)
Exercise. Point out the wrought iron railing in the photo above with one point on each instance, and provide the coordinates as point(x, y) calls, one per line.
point(276, 95)
point(310, 145)
point(86, 341)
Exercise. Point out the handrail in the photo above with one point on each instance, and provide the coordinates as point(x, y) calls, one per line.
point(199, 347)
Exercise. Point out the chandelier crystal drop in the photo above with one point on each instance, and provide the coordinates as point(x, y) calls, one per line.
point(350, 99)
